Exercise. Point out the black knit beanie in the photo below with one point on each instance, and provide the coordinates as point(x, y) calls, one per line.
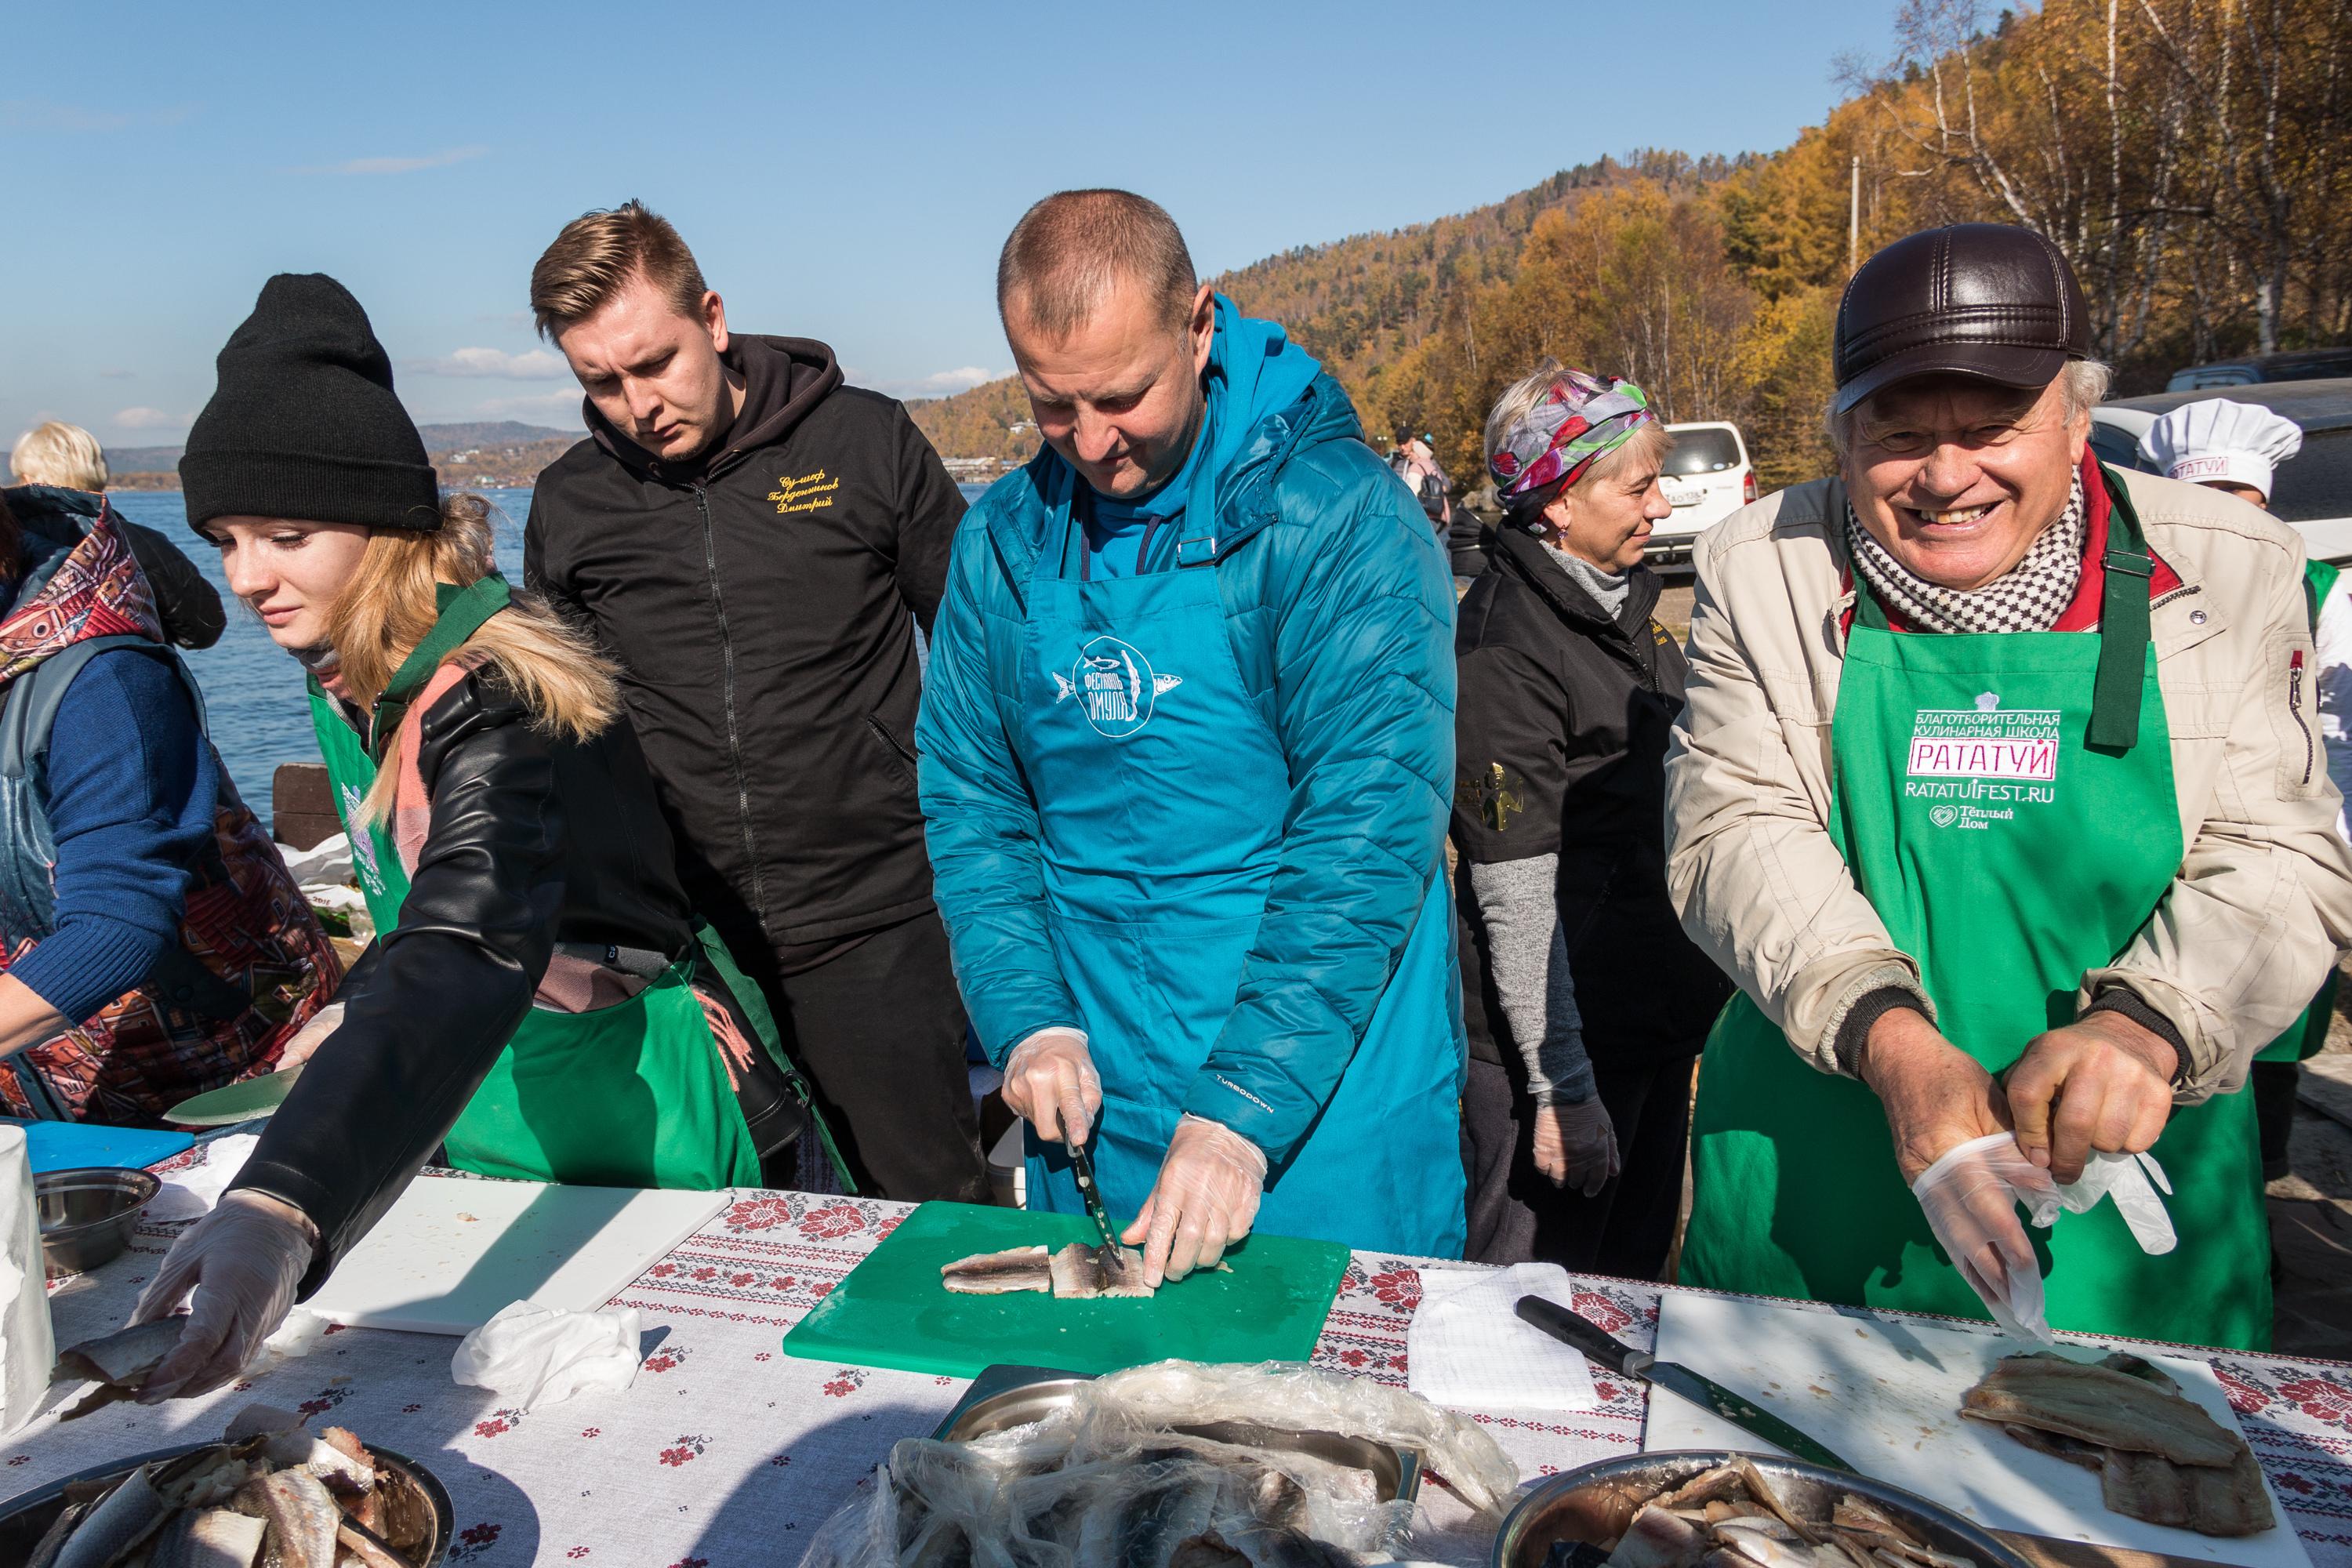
point(304, 423)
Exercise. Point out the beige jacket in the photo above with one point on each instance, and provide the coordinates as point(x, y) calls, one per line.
point(2263, 897)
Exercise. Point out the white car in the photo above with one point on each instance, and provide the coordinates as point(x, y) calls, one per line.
point(2313, 488)
point(1707, 478)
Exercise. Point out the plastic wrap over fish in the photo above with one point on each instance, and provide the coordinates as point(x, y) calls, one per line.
point(1109, 1480)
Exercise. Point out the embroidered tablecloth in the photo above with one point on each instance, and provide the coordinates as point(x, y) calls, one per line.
point(727, 1453)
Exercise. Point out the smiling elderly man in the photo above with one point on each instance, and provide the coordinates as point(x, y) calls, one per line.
point(2000, 793)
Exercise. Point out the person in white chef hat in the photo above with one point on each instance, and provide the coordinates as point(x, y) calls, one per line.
point(2237, 448)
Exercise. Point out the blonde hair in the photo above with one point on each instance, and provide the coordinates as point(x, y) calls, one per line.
point(599, 253)
point(56, 453)
point(392, 602)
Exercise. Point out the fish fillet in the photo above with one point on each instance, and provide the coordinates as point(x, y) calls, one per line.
point(1000, 1273)
point(1083, 1273)
point(120, 1362)
point(2101, 1405)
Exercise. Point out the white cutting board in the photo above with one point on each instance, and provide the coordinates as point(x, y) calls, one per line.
point(1885, 1395)
point(452, 1253)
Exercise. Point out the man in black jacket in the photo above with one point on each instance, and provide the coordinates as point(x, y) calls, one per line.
point(755, 542)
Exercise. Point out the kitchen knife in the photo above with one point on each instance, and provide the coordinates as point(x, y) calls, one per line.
point(1706, 1392)
point(1082, 1165)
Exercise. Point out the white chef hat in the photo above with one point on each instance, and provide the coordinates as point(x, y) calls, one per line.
point(2216, 441)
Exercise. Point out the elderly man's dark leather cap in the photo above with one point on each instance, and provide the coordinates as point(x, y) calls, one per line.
point(1976, 299)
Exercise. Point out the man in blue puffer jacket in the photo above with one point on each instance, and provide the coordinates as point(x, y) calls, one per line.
point(1187, 753)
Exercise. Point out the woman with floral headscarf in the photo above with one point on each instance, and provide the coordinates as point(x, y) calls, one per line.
point(1574, 1140)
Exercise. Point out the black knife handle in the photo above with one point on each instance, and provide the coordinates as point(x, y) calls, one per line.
point(1584, 1334)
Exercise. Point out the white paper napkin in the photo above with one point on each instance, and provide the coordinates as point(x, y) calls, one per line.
point(542, 1355)
point(191, 1193)
point(1469, 1350)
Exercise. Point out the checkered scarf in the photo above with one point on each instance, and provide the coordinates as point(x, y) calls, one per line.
point(2028, 597)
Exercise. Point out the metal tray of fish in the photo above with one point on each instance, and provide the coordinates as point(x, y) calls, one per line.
point(25, 1519)
point(1003, 1397)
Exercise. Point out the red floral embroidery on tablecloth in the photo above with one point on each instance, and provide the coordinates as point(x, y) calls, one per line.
point(577, 1551)
point(821, 1289)
point(883, 1230)
point(847, 1382)
point(592, 1431)
point(764, 1356)
point(2244, 1397)
point(1601, 1309)
point(781, 1460)
point(17, 1459)
point(832, 1222)
point(666, 1359)
point(2319, 1398)
point(1398, 1290)
point(498, 1424)
point(473, 1540)
point(410, 1409)
point(759, 1214)
point(1351, 1278)
point(686, 1450)
point(782, 1282)
point(661, 1270)
point(2293, 1481)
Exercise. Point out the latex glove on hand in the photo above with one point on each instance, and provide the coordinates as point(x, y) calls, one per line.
point(1971, 1198)
point(245, 1262)
point(1575, 1144)
point(312, 1036)
point(1205, 1200)
point(1050, 1080)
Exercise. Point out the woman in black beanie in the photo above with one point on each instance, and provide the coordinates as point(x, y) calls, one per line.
point(535, 999)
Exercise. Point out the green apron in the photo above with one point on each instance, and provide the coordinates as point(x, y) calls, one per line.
point(629, 1096)
point(2309, 1036)
point(1995, 801)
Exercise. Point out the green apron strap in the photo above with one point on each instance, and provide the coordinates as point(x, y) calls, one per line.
point(2318, 581)
point(462, 612)
point(2123, 626)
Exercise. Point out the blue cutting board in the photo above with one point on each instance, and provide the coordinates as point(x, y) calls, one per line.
point(65, 1145)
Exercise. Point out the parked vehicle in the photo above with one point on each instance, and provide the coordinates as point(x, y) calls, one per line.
point(2314, 487)
point(1708, 477)
point(2304, 365)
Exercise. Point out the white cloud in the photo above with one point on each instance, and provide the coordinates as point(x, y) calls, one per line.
point(396, 165)
point(531, 364)
point(939, 383)
point(144, 418)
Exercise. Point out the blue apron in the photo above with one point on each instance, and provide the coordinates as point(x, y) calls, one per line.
point(1161, 790)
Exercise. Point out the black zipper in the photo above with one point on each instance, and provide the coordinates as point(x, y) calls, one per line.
point(882, 733)
point(2295, 705)
point(727, 691)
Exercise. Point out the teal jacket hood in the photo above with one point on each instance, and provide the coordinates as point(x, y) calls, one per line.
point(1267, 399)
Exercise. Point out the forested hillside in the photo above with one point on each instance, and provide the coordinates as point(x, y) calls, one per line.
point(2194, 161)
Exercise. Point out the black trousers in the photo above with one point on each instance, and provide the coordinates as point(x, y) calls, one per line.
point(2273, 1085)
point(878, 1030)
point(1626, 1229)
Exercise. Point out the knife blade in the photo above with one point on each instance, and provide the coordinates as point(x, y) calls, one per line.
point(1619, 1357)
point(1082, 1165)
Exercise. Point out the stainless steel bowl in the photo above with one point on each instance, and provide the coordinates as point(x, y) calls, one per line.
point(1594, 1503)
point(87, 1215)
point(25, 1519)
point(1003, 1397)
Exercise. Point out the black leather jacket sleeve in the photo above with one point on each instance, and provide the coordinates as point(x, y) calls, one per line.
point(446, 988)
point(188, 606)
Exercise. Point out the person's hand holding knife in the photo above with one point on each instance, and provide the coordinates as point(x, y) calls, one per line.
point(1050, 1080)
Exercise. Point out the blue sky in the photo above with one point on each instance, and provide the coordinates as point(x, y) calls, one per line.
point(843, 171)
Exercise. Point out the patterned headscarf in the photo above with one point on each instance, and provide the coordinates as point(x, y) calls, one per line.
point(1579, 419)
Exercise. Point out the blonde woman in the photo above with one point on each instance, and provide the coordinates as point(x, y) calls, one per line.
point(534, 999)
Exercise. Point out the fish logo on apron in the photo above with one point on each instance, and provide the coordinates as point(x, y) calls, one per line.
point(1114, 685)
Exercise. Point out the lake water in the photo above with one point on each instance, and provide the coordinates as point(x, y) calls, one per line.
point(253, 691)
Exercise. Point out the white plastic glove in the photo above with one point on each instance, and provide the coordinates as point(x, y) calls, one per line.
point(1575, 1144)
point(312, 1036)
point(1971, 1198)
point(1204, 1201)
point(2133, 1180)
point(244, 1260)
point(1051, 1080)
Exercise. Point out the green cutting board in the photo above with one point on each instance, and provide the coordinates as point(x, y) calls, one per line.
point(892, 1310)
